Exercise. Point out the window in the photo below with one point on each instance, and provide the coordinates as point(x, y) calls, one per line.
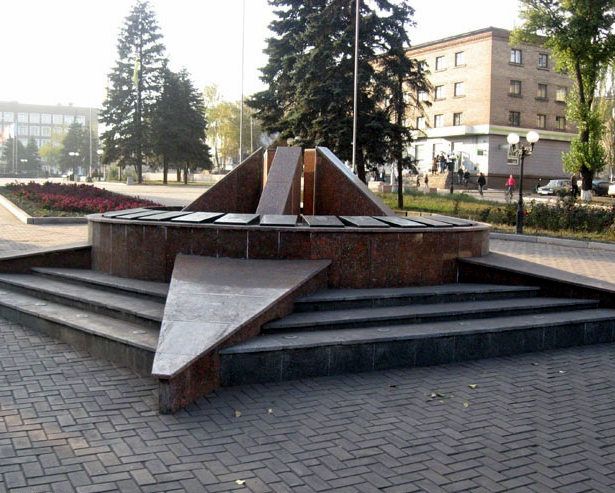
point(459, 89)
point(560, 122)
point(45, 118)
point(423, 96)
point(439, 92)
point(515, 88)
point(420, 122)
point(58, 119)
point(560, 94)
point(516, 56)
point(22, 117)
point(541, 121)
point(9, 117)
point(35, 130)
point(22, 130)
point(440, 63)
point(456, 119)
point(46, 131)
point(514, 119)
point(543, 60)
point(438, 121)
point(69, 119)
point(459, 59)
point(542, 91)
point(35, 117)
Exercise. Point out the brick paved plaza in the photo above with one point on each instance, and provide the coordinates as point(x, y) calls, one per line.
point(540, 422)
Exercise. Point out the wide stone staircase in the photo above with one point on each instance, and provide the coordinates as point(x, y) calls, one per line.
point(113, 318)
point(329, 332)
point(343, 331)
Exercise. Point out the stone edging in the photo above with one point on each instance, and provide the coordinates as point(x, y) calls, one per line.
point(26, 218)
point(547, 240)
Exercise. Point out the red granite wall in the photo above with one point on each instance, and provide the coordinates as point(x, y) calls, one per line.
point(239, 191)
point(282, 192)
point(361, 258)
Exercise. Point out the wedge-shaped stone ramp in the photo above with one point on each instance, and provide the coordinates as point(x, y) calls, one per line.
point(113, 318)
point(215, 302)
point(344, 331)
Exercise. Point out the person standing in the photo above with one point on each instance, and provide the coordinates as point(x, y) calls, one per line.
point(482, 181)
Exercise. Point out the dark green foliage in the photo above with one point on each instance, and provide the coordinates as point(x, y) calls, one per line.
point(33, 160)
point(310, 75)
point(75, 140)
point(135, 84)
point(179, 125)
point(12, 151)
point(581, 36)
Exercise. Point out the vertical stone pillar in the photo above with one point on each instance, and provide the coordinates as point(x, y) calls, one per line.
point(309, 176)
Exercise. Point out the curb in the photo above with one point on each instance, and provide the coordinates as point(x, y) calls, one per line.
point(547, 240)
point(26, 218)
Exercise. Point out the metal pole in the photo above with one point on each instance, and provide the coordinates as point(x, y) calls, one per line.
point(90, 172)
point(520, 203)
point(251, 134)
point(243, 28)
point(356, 84)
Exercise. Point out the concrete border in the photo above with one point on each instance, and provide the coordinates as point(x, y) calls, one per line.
point(548, 240)
point(26, 218)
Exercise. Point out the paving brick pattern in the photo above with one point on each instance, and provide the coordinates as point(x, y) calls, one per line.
point(539, 422)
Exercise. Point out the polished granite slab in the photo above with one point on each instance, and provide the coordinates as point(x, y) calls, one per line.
point(139, 215)
point(241, 219)
point(363, 222)
point(455, 221)
point(210, 299)
point(278, 220)
point(165, 216)
point(323, 221)
point(399, 222)
point(430, 222)
point(199, 217)
point(124, 212)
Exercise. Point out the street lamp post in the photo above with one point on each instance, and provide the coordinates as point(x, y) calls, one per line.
point(521, 151)
point(74, 155)
point(99, 152)
point(23, 162)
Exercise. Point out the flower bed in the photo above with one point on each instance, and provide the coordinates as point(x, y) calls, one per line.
point(56, 199)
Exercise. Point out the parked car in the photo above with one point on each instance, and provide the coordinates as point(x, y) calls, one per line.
point(555, 187)
point(611, 191)
point(600, 187)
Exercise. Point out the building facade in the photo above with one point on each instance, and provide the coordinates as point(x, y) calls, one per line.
point(483, 89)
point(43, 122)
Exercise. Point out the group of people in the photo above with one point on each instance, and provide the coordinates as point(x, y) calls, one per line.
point(442, 163)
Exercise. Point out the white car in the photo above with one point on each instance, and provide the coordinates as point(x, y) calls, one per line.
point(611, 190)
point(554, 186)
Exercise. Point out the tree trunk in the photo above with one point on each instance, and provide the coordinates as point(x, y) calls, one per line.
point(165, 169)
point(360, 166)
point(179, 174)
point(400, 186)
point(186, 174)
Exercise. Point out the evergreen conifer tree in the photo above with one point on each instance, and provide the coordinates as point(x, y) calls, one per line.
point(310, 75)
point(33, 160)
point(135, 84)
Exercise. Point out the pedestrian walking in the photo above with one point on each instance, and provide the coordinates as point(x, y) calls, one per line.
point(511, 183)
point(482, 181)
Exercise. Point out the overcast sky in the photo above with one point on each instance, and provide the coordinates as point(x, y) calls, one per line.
point(61, 51)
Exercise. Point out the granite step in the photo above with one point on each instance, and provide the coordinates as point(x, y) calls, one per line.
point(122, 342)
point(335, 299)
point(101, 280)
point(418, 313)
point(123, 306)
point(304, 354)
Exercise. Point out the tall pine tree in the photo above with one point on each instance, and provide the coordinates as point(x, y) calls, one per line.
point(179, 125)
point(135, 84)
point(310, 75)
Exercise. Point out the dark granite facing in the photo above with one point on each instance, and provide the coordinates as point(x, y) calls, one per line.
point(282, 190)
point(240, 219)
point(430, 222)
point(124, 212)
point(323, 221)
point(455, 221)
point(278, 220)
point(239, 191)
point(399, 222)
point(165, 216)
point(202, 308)
point(199, 217)
point(363, 222)
point(140, 215)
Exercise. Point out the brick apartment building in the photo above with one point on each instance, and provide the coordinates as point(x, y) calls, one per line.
point(483, 89)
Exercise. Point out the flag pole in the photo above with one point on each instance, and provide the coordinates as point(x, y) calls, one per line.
point(243, 29)
point(356, 83)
